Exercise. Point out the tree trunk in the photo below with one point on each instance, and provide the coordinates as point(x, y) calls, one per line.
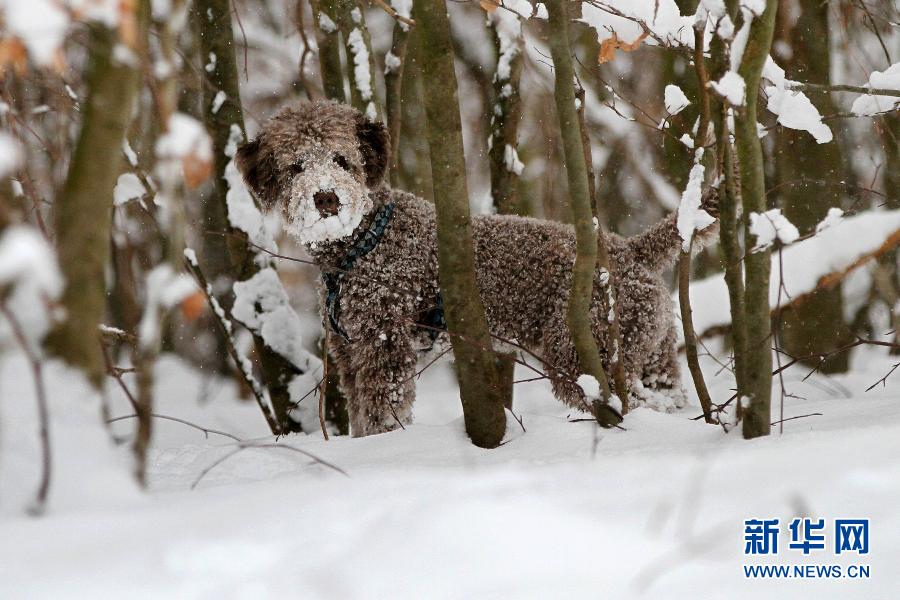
point(393, 97)
point(482, 403)
point(504, 159)
point(82, 213)
point(757, 411)
point(578, 315)
point(214, 29)
point(810, 178)
point(329, 42)
point(351, 22)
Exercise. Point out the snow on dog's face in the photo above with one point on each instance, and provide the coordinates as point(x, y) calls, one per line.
point(327, 198)
point(316, 162)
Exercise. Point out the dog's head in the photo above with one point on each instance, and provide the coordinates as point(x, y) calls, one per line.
point(316, 162)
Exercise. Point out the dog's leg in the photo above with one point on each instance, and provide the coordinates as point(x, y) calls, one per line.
point(562, 366)
point(661, 384)
point(383, 366)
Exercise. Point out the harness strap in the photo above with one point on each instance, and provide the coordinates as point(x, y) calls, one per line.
point(365, 242)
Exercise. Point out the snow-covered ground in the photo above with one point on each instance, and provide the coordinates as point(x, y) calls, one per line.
point(559, 511)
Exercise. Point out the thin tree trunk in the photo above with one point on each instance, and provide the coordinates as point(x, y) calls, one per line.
point(616, 365)
point(350, 19)
point(578, 315)
point(329, 43)
point(816, 326)
point(757, 412)
point(684, 260)
point(503, 156)
point(395, 62)
point(213, 20)
point(482, 403)
point(82, 213)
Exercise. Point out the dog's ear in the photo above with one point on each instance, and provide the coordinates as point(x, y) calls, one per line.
point(257, 164)
point(374, 146)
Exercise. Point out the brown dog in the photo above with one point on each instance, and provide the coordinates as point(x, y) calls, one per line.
point(322, 164)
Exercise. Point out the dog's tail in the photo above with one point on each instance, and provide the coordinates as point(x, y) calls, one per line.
point(658, 247)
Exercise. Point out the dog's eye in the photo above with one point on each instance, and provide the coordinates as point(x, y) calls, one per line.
point(296, 168)
point(341, 162)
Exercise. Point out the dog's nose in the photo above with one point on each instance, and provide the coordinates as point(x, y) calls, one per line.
point(327, 203)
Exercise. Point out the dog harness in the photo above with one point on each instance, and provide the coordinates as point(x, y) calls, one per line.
point(364, 243)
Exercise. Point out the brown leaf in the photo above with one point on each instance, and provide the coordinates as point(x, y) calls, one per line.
point(489, 5)
point(128, 24)
point(13, 55)
point(609, 46)
point(196, 170)
point(193, 306)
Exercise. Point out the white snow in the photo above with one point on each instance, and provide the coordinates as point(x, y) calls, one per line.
point(795, 111)
point(404, 9)
point(306, 223)
point(185, 136)
point(362, 77)
point(836, 248)
point(165, 288)
point(31, 281)
point(511, 160)
point(589, 385)
point(732, 87)
point(691, 217)
point(391, 63)
point(326, 24)
point(218, 101)
point(662, 18)
point(867, 105)
point(11, 155)
point(650, 512)
point(128, 188)
point(757, 7)
point(831, 219)
point(262, 305)
point(793, 108)
point(770, 226)
point(40, 24)
point(675, 99)
point(243, 213)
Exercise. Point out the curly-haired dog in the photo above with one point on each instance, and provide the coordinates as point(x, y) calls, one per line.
point(322, 165)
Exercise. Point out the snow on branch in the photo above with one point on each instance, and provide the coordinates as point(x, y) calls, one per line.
point(691, 217)
point(31, 281)
point(770, 226)
point(873, 104)
point(794, 109)
point(842, 245)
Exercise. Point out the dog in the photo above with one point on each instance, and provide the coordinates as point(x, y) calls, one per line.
point(322, 165)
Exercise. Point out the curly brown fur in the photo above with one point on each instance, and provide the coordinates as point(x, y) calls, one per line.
point(523, 271)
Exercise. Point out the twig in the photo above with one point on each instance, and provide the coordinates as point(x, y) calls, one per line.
point(856, 89)
point(393, 13)
point(225, 325)
point(781, 421)
point(37, 373)
point(205, 430)
point(883, 380)
point(245, 445)
point(323, 386)
point(115, 373)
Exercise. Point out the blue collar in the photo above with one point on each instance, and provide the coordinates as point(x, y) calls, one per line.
point(365, 242)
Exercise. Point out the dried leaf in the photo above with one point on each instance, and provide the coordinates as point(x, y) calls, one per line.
point(193, 306)
point(196, 170)
point(609, 46)
point(128, 24)
point(489, 5)
point(13, 55)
